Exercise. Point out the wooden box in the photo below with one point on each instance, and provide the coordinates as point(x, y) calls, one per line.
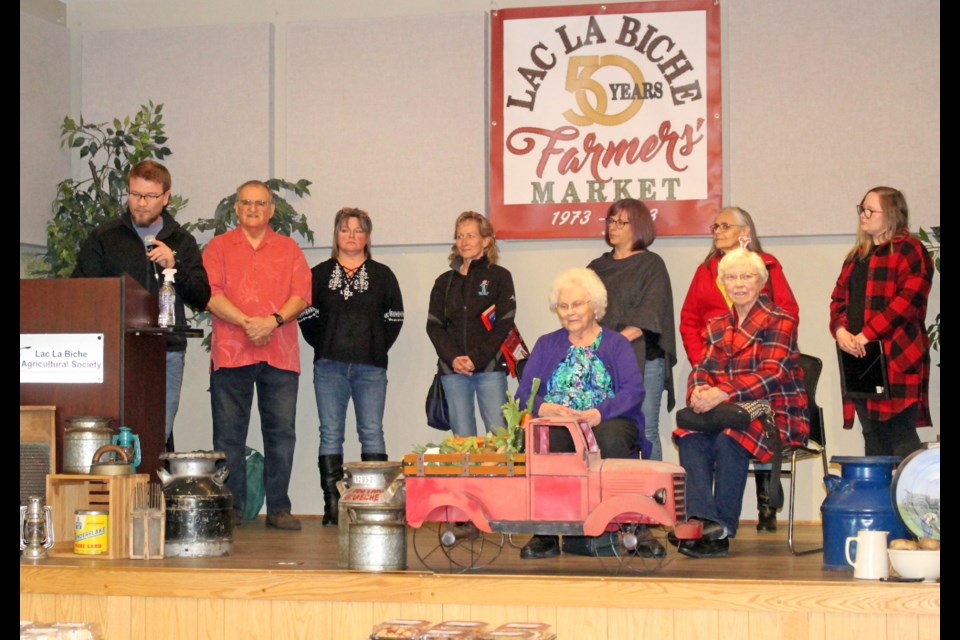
point(66, 493)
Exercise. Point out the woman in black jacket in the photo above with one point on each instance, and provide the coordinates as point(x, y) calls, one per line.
point(472, 310)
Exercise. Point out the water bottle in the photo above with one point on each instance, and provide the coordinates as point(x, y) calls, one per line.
point(168, 300)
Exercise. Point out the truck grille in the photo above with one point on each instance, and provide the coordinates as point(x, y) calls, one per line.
point(680, 495)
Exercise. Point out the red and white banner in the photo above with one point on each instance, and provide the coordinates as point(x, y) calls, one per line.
point(595, 103)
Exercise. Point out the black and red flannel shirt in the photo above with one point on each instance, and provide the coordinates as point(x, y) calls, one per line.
point(899, 278)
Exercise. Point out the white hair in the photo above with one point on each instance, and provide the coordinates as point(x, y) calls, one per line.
point(581, 277)
point(741, 257)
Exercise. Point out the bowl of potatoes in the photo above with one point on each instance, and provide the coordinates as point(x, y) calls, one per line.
point(916, 558)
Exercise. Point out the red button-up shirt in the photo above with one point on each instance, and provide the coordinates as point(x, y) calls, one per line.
point(258, 282)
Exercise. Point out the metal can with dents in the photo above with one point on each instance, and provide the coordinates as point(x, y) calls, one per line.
point(91, 532)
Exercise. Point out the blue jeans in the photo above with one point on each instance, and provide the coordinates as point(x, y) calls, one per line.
point(716, 467)
point(334, 384)
point(490, 390)
point(653, 376)
point(231, 397)
point(175, 361)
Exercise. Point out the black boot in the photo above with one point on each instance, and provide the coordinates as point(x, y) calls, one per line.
point(373, 457)
point(766, 511)
point(331, 472)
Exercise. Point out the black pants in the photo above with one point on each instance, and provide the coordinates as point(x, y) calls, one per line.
point(894, 437)
point(616, 437)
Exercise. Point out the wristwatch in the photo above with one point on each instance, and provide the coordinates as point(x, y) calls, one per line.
point(279, 319)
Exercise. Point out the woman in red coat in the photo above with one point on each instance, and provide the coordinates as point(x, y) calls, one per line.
point(706, 299)
point(881, 294)
point(751, 354)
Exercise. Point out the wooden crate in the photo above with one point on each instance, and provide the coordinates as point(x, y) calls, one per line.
point(68, 492)
point(465, 464)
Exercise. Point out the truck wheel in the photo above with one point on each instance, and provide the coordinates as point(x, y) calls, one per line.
point(638, 550)
point(455, 546)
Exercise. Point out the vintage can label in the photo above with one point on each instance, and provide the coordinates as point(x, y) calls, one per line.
point(91, 532)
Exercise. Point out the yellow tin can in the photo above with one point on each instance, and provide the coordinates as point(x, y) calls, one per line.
point(91, 531)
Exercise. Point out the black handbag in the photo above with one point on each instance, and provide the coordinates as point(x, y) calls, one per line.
point(438, 415)
point(726, 415)
point(737, 416)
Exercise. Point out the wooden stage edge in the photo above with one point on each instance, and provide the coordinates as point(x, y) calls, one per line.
point(761, 590)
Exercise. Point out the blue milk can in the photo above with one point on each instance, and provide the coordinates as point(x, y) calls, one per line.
point(858, 499)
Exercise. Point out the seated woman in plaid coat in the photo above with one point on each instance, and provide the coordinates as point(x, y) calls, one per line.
point(751, 354)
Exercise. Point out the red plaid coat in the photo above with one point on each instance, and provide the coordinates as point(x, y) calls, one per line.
point(757, 361)
point(898, 283)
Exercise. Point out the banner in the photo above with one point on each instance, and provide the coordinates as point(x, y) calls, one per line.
point(591, 104)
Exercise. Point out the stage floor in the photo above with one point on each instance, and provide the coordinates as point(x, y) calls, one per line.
point(753, 556)
point(280, 584)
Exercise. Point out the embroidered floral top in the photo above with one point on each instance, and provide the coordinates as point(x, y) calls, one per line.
point(355, 316)
point(581, 381)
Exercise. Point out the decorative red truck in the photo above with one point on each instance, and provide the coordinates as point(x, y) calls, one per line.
point(546, 492)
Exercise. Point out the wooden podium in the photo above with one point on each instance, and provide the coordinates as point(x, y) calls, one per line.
point(133, 391)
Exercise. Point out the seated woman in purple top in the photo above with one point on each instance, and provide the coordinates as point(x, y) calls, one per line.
point(587, 373)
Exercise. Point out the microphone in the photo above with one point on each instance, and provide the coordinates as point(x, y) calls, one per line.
point(148, 242)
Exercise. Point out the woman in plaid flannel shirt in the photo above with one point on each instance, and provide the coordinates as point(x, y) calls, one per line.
point(751, 354)
point(881, 294)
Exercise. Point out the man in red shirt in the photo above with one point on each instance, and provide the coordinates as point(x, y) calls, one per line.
point(259, 282)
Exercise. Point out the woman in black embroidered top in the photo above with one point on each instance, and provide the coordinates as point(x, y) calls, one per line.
point(355, 318)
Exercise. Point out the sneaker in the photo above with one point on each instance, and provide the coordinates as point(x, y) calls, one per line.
point(283, 520)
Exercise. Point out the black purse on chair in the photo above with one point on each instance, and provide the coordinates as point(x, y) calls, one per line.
point(738, 416)
point(726, 415)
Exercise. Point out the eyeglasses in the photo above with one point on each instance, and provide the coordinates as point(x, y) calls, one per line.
point(721, 226)
point(619, 224)
point(575, 306)
point(745, 278)
point(866, 211)
point(148, 197)
point(256, 204)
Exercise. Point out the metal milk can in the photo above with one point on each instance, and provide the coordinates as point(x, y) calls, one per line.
point(858, 499)
point(199, 505)
point(82, 437)
point(372, 524)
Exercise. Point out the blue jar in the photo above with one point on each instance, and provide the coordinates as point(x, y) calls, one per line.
point(858, 499)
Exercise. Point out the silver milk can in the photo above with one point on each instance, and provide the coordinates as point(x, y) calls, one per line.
point(82, 436)
point(372, 523)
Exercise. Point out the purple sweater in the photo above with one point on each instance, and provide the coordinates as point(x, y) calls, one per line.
point(618, 358)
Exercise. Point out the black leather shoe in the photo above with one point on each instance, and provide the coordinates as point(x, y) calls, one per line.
point(540, 547)
point(602, 546)
point(713, 530)
point(704, 548)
